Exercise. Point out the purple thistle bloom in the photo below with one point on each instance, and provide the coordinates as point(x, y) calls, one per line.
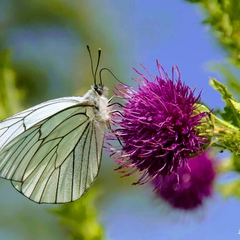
point(158, 126)
point(192, 184)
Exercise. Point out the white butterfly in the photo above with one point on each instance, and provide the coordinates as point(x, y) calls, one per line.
point(52, 151)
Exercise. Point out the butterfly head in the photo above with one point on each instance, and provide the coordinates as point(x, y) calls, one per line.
point(100, 89)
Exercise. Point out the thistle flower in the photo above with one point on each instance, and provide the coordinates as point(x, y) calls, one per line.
point(191, 186)
point(159, 126)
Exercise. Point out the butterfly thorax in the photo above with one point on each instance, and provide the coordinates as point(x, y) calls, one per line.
point(100, 102)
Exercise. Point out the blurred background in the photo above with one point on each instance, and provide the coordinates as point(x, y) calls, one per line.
point(44, 56)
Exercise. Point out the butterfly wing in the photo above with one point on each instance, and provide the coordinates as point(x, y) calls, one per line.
point(51, 152)
point(19, 123)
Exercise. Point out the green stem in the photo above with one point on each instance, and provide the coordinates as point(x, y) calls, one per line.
point(221, 126)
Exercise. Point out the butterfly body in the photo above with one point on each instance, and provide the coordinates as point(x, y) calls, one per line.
point(52, 151)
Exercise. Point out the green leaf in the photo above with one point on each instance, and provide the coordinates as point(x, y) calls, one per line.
point(231, 111)
point(235, 104)
point(220, 88)
point(231, 76)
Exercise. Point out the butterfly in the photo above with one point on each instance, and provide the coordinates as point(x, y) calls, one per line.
point(51, 152)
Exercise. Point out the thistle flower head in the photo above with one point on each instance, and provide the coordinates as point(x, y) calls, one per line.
point(158, 126)
point(190, 186)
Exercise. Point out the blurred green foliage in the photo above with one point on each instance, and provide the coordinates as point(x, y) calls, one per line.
point(10, 97)
point(48, 44)
point(230, 189)
point(223, 17)
point(80, 218)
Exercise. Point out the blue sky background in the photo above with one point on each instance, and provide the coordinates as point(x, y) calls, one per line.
point(143, 31)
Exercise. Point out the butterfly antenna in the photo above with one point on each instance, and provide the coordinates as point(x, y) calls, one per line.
point(106, 69)
point(98, 61)
point(94, 74)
